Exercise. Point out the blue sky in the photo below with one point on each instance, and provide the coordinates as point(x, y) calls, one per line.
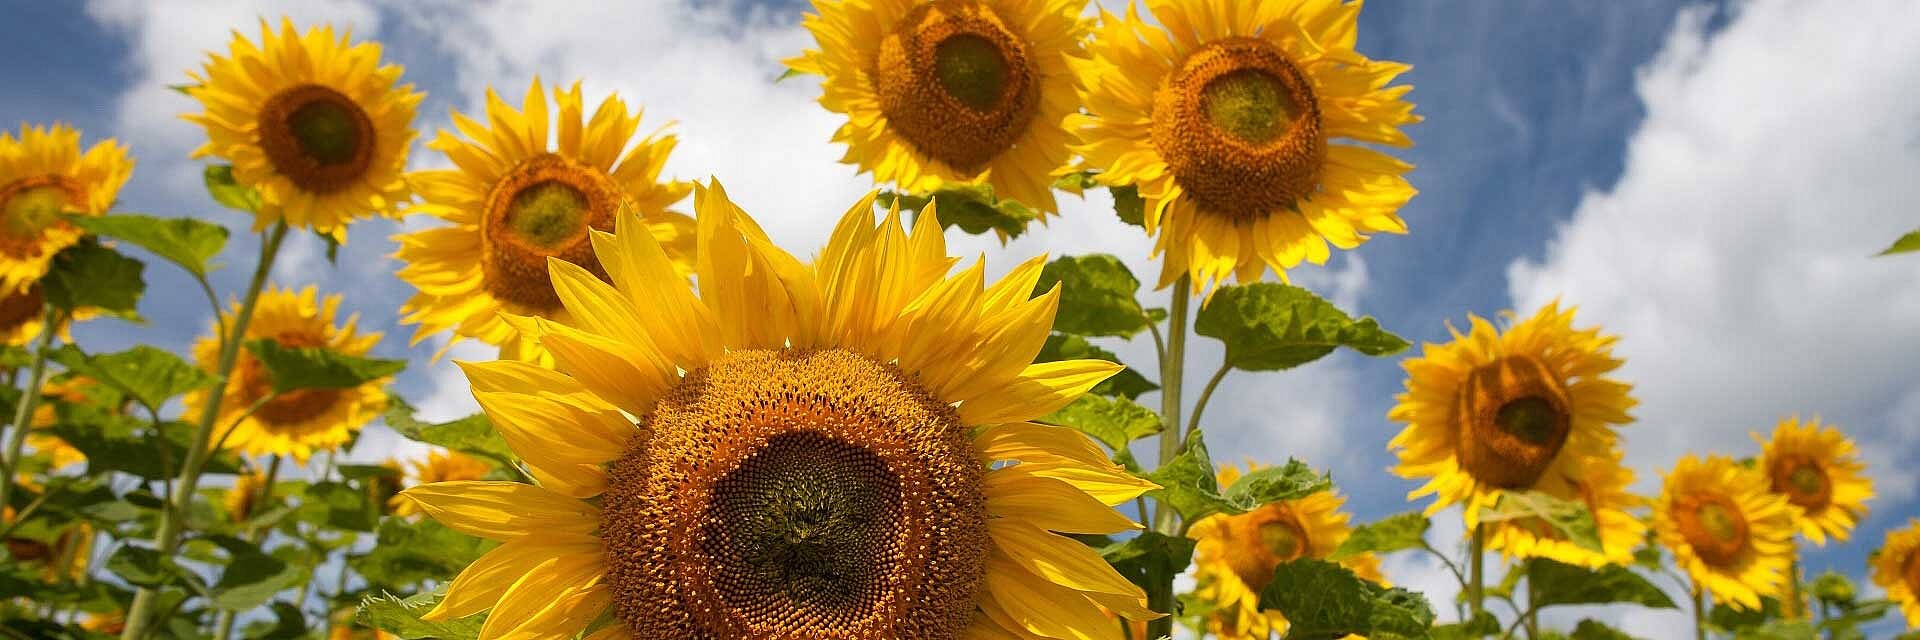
point(1706, 180)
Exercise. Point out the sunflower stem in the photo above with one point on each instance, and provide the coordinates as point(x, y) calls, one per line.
point(1172, 361)
point(1699, 614)
point(29, 399)
point(1477, 583)
point(1796, 607)
point(180, 500)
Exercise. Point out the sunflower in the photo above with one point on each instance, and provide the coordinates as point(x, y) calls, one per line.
point(313, 122)
point(240, 497)
point(1602, 485)
point(950, 91)
point(1522, 409)
point(1896, 568)
point(439, 467)
point(1818, 470)
point(1235, 557)
point(43, 174)
point(1726, 529)
point(513, 203)
point(834, 451)
point(1226, 118)
point(298, 422)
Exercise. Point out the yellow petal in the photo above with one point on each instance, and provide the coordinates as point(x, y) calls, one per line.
point(480, 585)
point(1059, 559)
point(1038, 391)
point(1050, 504)
point(498, 510)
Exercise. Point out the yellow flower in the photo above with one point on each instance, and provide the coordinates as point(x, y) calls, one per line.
point(1226, 117)
point(837, 450)
point(240, 497)
point(1819, 472)
point(1726, 529)
point(1235, 556)
point(950, 91)
point(1521, 409)
point(1896, 568)
point(43, 174)
point(1602, 485)
point(439, 467)
point(513, 203)
point(298, 422)
point(312, 122)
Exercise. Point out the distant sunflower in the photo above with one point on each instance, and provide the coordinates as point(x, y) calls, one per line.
point(1726, 529)
point(1226, 117)
point(1602, 484)
point(299, 422)
point(1521, 409)
point(1236, 555)
point(239, 498)
point(1818, 470)
point(43, 174)
point(837, 451)
point(312, 122)
point(514, 202)
point(1896, 568)
point(449, 466)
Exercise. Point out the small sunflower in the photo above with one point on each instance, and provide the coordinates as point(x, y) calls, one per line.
point(834, 451)
point(43, 174)
point(1235, 557)
point(1602, 484)
point(950, 91)
point(450, 466)
point(1896, 568)
point(513, 202)
point(1225, 117)
point(1521, 409)
point(1726, 529)
point(313, 122)
point(298, 422)
point(240, 497)
point(1818, 470)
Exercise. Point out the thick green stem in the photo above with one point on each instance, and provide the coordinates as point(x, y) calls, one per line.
point(1477, 583)
point(1796, 608)
point(1699, 615)
point(1165, 521)
point(180, 502)
point(29, 400)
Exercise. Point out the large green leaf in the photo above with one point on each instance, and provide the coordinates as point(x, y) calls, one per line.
point(1734, 618)
point(1096, 296)
point(183, 241)
point(296, 368)
point(340, 506)
point(1129, 206)
point(118, 443)
point(401, 617)
point(973, 208)
point(1292, 481)
point(409, 553)
point(1115, 422)
point(1268, 326)
point(229, 192)
point(1397, 532)
point(1149, 553)
point(1127, 384)
point(1571, 519)
point(1481, 625)
point(1556, 583)
point(473, 434)
point(150, 376)
point(89, 275)
point(1187, 483)
point(1325, 600)
point(1590, 629)
point(1779, 630)
point(252, 577)
point(1907, 243)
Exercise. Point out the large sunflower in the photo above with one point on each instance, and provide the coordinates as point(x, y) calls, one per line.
point(1226, 118)
point(1726, 529)
point(298, 422)
point(1602, 485)
point(43, 174)
point(840, 451)
point(965, 91)
point(1818, 470)
point(1520, 409)
point(514, 202)
point(1896, 568)
point(438, 466)
point(1235, 557)
point(314, 123)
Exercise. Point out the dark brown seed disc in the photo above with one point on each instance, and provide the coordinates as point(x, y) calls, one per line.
point(956, 83)
point(317, 137)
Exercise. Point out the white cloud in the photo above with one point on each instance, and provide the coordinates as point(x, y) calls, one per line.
point(1733, 256)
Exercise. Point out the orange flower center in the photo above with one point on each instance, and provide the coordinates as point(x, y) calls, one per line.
point(1512, 417)
point(1240, 128)
point(18, 309)
point(1803, 481)
point(317, 137)
point(1714, 527)
point(543, 208)
point(1913, 571)
point(290, 410)
point(956, 83)
point(29, 206)
point(1262, 539)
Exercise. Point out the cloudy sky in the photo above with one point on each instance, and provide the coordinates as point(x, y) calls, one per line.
point(1707, 180)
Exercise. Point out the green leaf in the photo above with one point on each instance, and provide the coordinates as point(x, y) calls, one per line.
point(143, 567)
point(150, 376)
point(1293, 481)
point(229, 193)
point(1149, 553)
point(252, 577)
point(1187, 483)
point(1590, 629)
point(1734, 618)
point(1556, 583)
point(1907, 243)
point(1268, 326)
point(1127, 384)
point(89, 275)
point(473, 434)
point(1325, 600)
point(409, 553)
point(1129, 206)
point(296, 368)
point(972, 208)
point(1482, 624)
point(401, 617)
point(1572, 520)
point(1779, 630)
point(1397, 532)
point(1096, 296)
point(289, 623)
point(183, 241)
point(118, 443)
point(340, 506)
point(1115, 422)
point(333, 246)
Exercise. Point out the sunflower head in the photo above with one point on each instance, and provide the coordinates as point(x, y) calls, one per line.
point(838, 450)
point(950, 91)
point(513, 201)
point(240, 497)
point(1896, 568)
point(1517, 409)
point(1603, 485)
point(1726, 528)
point(1817, 468)
point(44, 175)
point(312, 121)
point(438, 466)
point(1235, 120)
point(298, 422)
point(1235, 556)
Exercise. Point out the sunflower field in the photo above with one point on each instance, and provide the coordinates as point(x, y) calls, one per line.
point(689, 431)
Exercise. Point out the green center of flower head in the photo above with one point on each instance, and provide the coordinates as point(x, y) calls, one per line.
point(547, 213)
point(327, 131)
point(1249, 104)
point(31, 209)
point(1807, 479)
point(1531, 419)
point(1283, 539)
point(971, 69)
point(1718, 522)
